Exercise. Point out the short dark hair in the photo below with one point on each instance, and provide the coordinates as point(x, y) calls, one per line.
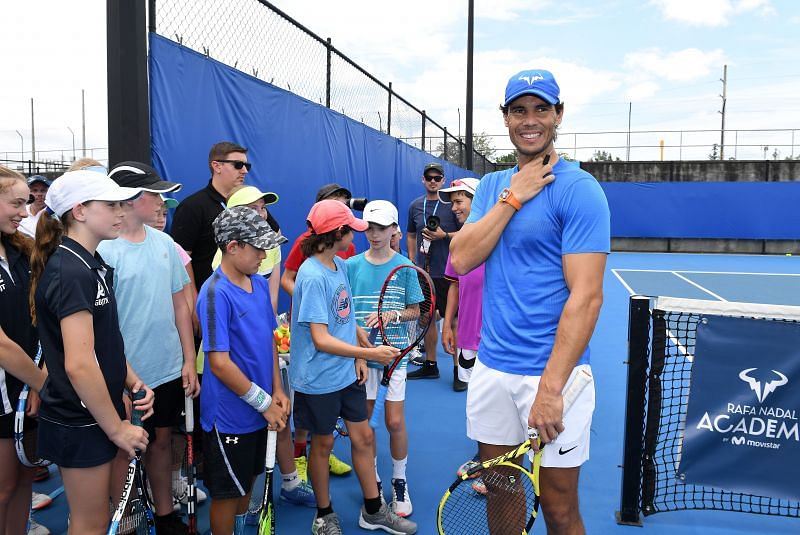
point(219, 151)
point(317, 243)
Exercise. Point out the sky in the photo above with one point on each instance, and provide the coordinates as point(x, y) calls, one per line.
point(660, 59)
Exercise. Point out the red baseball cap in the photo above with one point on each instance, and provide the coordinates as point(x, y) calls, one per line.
point(328, 215)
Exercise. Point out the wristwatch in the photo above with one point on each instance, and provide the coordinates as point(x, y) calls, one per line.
point(507, 197)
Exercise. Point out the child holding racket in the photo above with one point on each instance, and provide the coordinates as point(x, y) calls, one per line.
point(242, 393)
point(82, 416)
point(17, 344)
point(149, 280)
point(327, 383)
point(367, 273)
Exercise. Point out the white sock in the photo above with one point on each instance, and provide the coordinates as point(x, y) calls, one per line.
point(290, 481)
point(399, 468)
point(377, 475)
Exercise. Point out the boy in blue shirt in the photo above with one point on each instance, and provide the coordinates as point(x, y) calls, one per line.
point(242, 395)
point(326, 381)
point(367, 273)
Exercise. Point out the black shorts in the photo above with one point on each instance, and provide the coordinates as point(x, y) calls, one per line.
point(74, 447)
point(441, 286)
point(232, 462)
point(318, 412)
point(167, 407)
point(7, 425)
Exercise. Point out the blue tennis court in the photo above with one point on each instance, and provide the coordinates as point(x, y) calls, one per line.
point(435, 414)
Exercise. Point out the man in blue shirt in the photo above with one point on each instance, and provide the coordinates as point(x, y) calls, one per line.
point(543, 229)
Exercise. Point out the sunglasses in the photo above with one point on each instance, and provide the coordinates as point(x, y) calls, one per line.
point(237, 164)
point(434, 178)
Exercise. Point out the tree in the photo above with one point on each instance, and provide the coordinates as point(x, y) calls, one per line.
point(511, 157)
point(481, 143)
point(603, 156)
point(714, 155)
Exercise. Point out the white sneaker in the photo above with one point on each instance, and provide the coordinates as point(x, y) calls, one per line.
point(180, 493)
point(36, 528)
point(40, 501)
point(401, 500)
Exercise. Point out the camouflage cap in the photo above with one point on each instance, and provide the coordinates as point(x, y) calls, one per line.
point(242, 223)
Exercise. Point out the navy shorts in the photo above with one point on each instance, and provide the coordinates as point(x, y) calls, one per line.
point(441, 286)
point(232, 462)
point(74, 447)
point(167, 407)
point(318, 412)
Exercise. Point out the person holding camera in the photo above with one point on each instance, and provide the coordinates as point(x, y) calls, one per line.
point(431, 225)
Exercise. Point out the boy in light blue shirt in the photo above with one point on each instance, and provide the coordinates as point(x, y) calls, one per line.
point(327, 382)
point(155, 321)
point(367, 273)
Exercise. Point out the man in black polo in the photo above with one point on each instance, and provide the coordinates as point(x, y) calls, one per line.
point(429, 247)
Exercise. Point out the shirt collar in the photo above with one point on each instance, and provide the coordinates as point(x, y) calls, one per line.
point(214, 194)
point(94, 262)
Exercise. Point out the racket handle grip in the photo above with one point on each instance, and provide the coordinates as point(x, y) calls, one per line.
point(136, 415)
point(272, 445)
point(377, 411)
point(188, 411)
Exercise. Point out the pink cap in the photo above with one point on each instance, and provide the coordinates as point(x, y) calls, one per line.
point(328, 215)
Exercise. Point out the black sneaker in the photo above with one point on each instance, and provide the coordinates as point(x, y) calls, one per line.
point(170, 524)
point(458, 384)
point(429, 370)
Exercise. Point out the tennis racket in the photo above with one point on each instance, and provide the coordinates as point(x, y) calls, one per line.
point(266, 518)
point(136, 516)
point(505, 499)
point(406, 306)
point(188, 468)
point(25, 441)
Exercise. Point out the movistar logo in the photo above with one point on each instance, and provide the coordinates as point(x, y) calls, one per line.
point(762, 390)
point(531, 79)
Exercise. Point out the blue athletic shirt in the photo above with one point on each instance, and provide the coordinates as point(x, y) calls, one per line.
point(240, 323)
point(524, 290)
point(321, 295)
point(366, 281)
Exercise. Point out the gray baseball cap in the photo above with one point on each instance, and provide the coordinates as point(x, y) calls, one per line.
point(242, 223)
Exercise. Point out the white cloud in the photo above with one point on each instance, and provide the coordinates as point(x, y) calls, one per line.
point(641, 90)
point(710, 12)
point(679, 66)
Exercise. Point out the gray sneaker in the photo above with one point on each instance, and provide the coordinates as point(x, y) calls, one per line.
point(327, 525)
point(387, 521)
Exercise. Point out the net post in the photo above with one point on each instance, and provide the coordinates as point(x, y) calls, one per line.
point(638, 354)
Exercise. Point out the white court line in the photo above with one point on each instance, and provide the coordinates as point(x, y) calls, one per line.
point(708, 272)
point(709, 292)
point(625, 284)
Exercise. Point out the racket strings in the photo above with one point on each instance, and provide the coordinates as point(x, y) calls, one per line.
point(500, 501)
point(411, 296)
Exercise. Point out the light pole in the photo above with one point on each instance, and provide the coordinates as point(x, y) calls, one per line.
point(21, 145)
point(73, 142)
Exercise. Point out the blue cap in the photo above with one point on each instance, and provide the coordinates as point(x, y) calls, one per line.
point(537, 82)
point(33, 179)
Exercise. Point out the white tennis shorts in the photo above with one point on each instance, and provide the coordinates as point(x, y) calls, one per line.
point(397, 384)
point(498, 405)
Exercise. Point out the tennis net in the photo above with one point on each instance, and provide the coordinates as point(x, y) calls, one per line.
point(661, 356)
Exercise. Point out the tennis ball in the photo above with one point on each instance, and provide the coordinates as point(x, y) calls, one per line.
point(788, 254)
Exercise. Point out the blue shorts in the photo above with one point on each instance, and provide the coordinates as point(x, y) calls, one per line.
point(318, 412)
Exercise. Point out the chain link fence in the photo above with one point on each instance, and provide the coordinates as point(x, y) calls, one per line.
point(259, 39)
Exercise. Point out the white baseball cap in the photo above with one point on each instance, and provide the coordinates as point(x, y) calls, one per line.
point(76, 187)
point(460, 184)
point(380, 212)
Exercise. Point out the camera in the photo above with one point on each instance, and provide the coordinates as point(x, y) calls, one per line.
point(357, 203)
point(432, 223)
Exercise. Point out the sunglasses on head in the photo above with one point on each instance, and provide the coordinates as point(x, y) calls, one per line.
point(434, 178)
point(237, 164)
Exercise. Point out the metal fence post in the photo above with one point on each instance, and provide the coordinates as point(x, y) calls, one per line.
point(328, 74)
point(638, 353)
point(444, 156)
point(389, 115)
point(424, 120)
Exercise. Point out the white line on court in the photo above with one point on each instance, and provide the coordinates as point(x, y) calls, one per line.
point(625, 284)
point(707, 272)
point(706, 290)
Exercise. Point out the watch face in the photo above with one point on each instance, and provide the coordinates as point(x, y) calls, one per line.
point(504, 194)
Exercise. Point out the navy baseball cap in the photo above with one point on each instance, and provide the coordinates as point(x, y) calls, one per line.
point(535, 82)
point(33, 179)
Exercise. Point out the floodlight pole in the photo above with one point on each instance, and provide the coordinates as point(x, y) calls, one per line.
point(470, 47)
point(724, 97)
